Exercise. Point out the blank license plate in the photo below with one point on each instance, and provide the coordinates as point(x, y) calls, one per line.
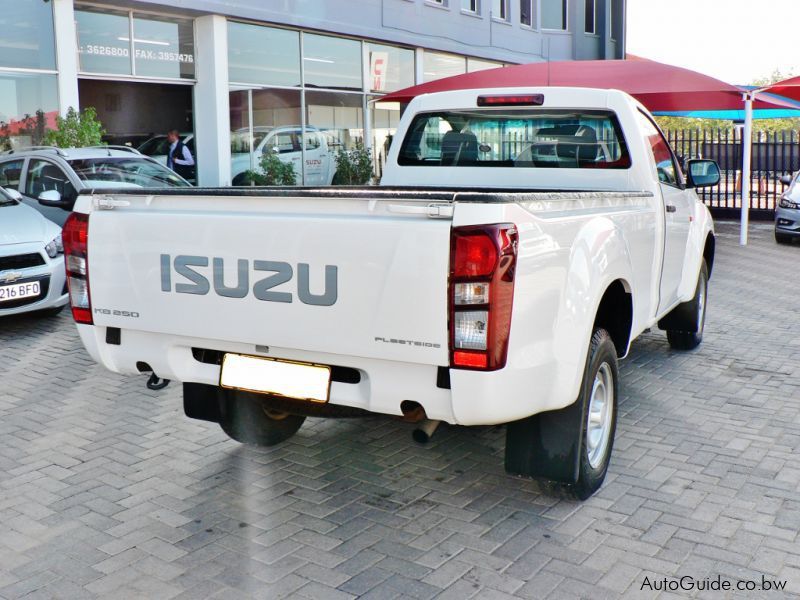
point(18, 291)
point(302, 381)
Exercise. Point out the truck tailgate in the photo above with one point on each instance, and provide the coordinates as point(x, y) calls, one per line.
point(356, 277)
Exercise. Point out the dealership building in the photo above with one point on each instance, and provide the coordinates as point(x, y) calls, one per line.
point(231, 72)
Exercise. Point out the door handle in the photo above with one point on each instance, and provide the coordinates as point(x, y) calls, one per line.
point(671, 208)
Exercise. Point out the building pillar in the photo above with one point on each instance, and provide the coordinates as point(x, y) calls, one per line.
point(66, 55)
point(211, 102)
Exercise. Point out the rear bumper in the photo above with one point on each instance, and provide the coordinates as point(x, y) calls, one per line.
point(475, 398)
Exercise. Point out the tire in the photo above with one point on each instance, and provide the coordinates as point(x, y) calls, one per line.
point(783, 238)
point(571, 448)
point(245, 419)
point(686, 327)
point(240, 180)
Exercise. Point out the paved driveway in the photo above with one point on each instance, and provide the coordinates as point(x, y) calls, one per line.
point(107, 490)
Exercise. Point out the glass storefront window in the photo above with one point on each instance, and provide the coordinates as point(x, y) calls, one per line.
point(28, 106)
point(385, 117)
point(437, 65)
point(275, 125)
point(163, 47)
point(27, 41)
point(330, 62)
point(337, 119)
point(476, 64)
point(104, 44)
point(554, 14)
point(390, 68)
point(263, 55)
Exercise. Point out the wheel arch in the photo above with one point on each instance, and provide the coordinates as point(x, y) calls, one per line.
point(615, 314)
point(708, 252)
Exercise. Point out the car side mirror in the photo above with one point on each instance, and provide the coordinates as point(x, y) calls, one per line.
point(53, 198)
point(702, 173)
point(13, 193)
point(785, 180)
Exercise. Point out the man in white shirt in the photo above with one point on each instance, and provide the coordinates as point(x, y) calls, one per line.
point(179, 158)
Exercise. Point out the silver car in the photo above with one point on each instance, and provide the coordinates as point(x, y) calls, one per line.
point(49, 179)
point(787, 214)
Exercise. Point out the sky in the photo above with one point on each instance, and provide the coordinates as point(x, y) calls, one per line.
point(737, 41)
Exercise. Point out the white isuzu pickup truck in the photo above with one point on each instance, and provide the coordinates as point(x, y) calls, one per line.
point(520, 240)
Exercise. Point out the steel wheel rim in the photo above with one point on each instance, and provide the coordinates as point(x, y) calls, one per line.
point(598, 421)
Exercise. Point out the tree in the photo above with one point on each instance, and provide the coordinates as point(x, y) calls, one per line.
point(273, 171)
point(354, 167)
point(76, 130)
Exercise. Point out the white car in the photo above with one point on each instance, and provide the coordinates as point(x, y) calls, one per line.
point(519, 242)
point(32, 276)
point(285, 141)
point(49, 179)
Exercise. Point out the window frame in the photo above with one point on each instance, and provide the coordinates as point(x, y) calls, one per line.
point(564, 14)
point(504, 17)
point(594, 17)
point(680, 179)
point(475, 11)
point(531, 5)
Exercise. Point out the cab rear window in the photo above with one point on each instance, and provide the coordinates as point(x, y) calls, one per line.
point(529, 138)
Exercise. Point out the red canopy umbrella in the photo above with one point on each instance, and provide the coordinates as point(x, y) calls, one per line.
point(658, 86)
point(788, 87)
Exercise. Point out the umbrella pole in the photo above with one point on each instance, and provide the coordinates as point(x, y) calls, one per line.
point(747, 148)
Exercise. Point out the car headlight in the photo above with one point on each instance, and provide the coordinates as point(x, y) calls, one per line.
point(55, 247)
point(786, 203)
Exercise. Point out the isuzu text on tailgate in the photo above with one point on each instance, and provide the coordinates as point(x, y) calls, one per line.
point(545, 230)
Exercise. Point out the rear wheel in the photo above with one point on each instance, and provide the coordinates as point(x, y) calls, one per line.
point(571, 447)
point(688, 320)
point(246, 419)
point(783, 238)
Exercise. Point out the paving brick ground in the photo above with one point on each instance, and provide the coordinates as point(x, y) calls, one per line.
point(107, 490)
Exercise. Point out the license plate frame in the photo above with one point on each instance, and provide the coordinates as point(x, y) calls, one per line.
point(5, 291)
point(275, 377)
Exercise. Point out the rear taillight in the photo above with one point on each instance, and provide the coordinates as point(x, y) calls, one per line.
point(76, 258)
point(482, 263)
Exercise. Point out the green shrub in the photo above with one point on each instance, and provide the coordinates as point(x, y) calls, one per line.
point(272, 171)
point(76, 130)
point(354, 167)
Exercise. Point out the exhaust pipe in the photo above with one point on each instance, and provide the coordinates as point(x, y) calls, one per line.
point(424, 432)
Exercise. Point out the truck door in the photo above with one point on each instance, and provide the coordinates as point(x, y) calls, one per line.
point(316, 159)
point(677, 206)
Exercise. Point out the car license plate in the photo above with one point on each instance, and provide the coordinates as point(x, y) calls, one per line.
point(302, 381)
point(18, 291)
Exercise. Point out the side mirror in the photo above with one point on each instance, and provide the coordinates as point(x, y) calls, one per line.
point(702, 173)
point(14, 194)
point(785, 180)
point(53, 198)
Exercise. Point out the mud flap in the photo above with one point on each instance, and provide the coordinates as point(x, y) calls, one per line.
point(547, 445)
point(202, 402)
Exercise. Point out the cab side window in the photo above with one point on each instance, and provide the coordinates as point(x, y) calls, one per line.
point(10, 174)
point(43, 176)
point(665, 162)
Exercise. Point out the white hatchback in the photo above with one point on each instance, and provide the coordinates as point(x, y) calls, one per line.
point(32, 276)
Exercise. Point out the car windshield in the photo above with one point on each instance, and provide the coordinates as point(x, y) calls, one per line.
point(156, 146)
point(515, 138)
point(240, 140)
point(126, 171)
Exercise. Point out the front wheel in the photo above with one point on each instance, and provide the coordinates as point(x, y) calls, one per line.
point(571, 447)
point(783, 238)
point(246, 419)
point(689, 319)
